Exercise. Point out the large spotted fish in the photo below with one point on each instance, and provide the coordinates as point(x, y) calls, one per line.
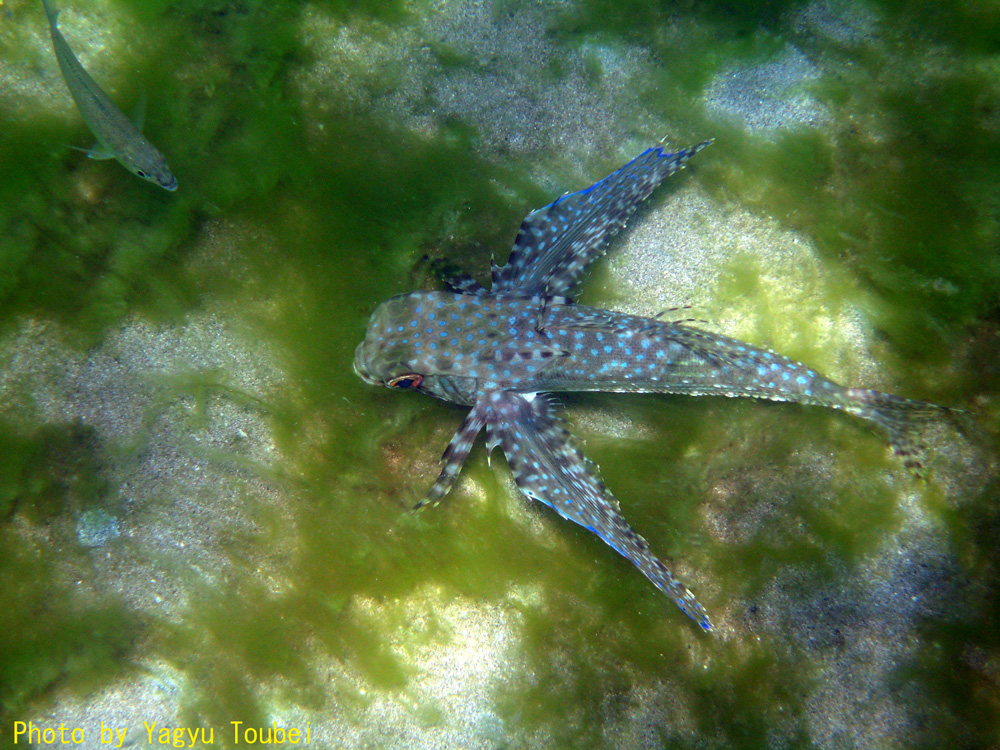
point(502, 351)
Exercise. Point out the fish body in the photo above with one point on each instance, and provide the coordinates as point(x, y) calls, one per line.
point(481, 343)
point(117, 137)
point(503, 351)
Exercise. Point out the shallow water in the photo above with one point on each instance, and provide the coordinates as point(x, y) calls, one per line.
point(204, 509)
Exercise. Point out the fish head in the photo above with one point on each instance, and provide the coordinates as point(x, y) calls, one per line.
point(398, 352)
point(155, 170)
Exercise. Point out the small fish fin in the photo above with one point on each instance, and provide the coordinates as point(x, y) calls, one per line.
point(557, 243)
point(94, 152)
point(455, 454)
point(545, 303)
point(139, 113)
point(98, 152)
point(493, 437)
point(714, 348)
point(456, 279)
point(547, 467)
point(904, 420)
point(589, 318)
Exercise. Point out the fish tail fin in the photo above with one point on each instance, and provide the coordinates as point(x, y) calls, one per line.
point(51, 11)
point(904, 420)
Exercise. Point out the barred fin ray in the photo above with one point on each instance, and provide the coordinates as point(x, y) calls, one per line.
point(456, 278)
point(454, 456)
point(547, 467)
point(557, 243)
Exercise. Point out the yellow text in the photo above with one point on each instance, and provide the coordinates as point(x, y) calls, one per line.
point(48, 735)
point(272, 735)
point(179, 736)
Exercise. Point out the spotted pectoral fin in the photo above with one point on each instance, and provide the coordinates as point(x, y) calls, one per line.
point(455, 454)
point(547, 467)
point(557, 243)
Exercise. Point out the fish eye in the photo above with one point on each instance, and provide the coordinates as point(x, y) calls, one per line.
point(141, 173)
point(410, 380)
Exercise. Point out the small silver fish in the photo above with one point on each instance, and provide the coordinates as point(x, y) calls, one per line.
point(117, 137)
point(501, 351)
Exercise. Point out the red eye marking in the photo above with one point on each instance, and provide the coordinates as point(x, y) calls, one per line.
point(406, 381)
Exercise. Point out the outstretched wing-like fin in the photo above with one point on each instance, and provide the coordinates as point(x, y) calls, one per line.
point(547, 467)
point(557, 243)
point(455, 454)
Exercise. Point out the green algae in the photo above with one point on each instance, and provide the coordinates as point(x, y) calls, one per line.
point(903, 206)
point(54, 636)
point(54, 633)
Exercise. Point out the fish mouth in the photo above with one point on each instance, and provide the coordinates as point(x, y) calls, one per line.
point(171, 186)
point(358, 356)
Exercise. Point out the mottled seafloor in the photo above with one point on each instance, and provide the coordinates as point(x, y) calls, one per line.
point(203, 511)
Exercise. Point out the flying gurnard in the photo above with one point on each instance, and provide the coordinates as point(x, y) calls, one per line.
point(502, 351)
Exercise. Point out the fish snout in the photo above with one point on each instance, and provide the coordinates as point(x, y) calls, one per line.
point(361, 365)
